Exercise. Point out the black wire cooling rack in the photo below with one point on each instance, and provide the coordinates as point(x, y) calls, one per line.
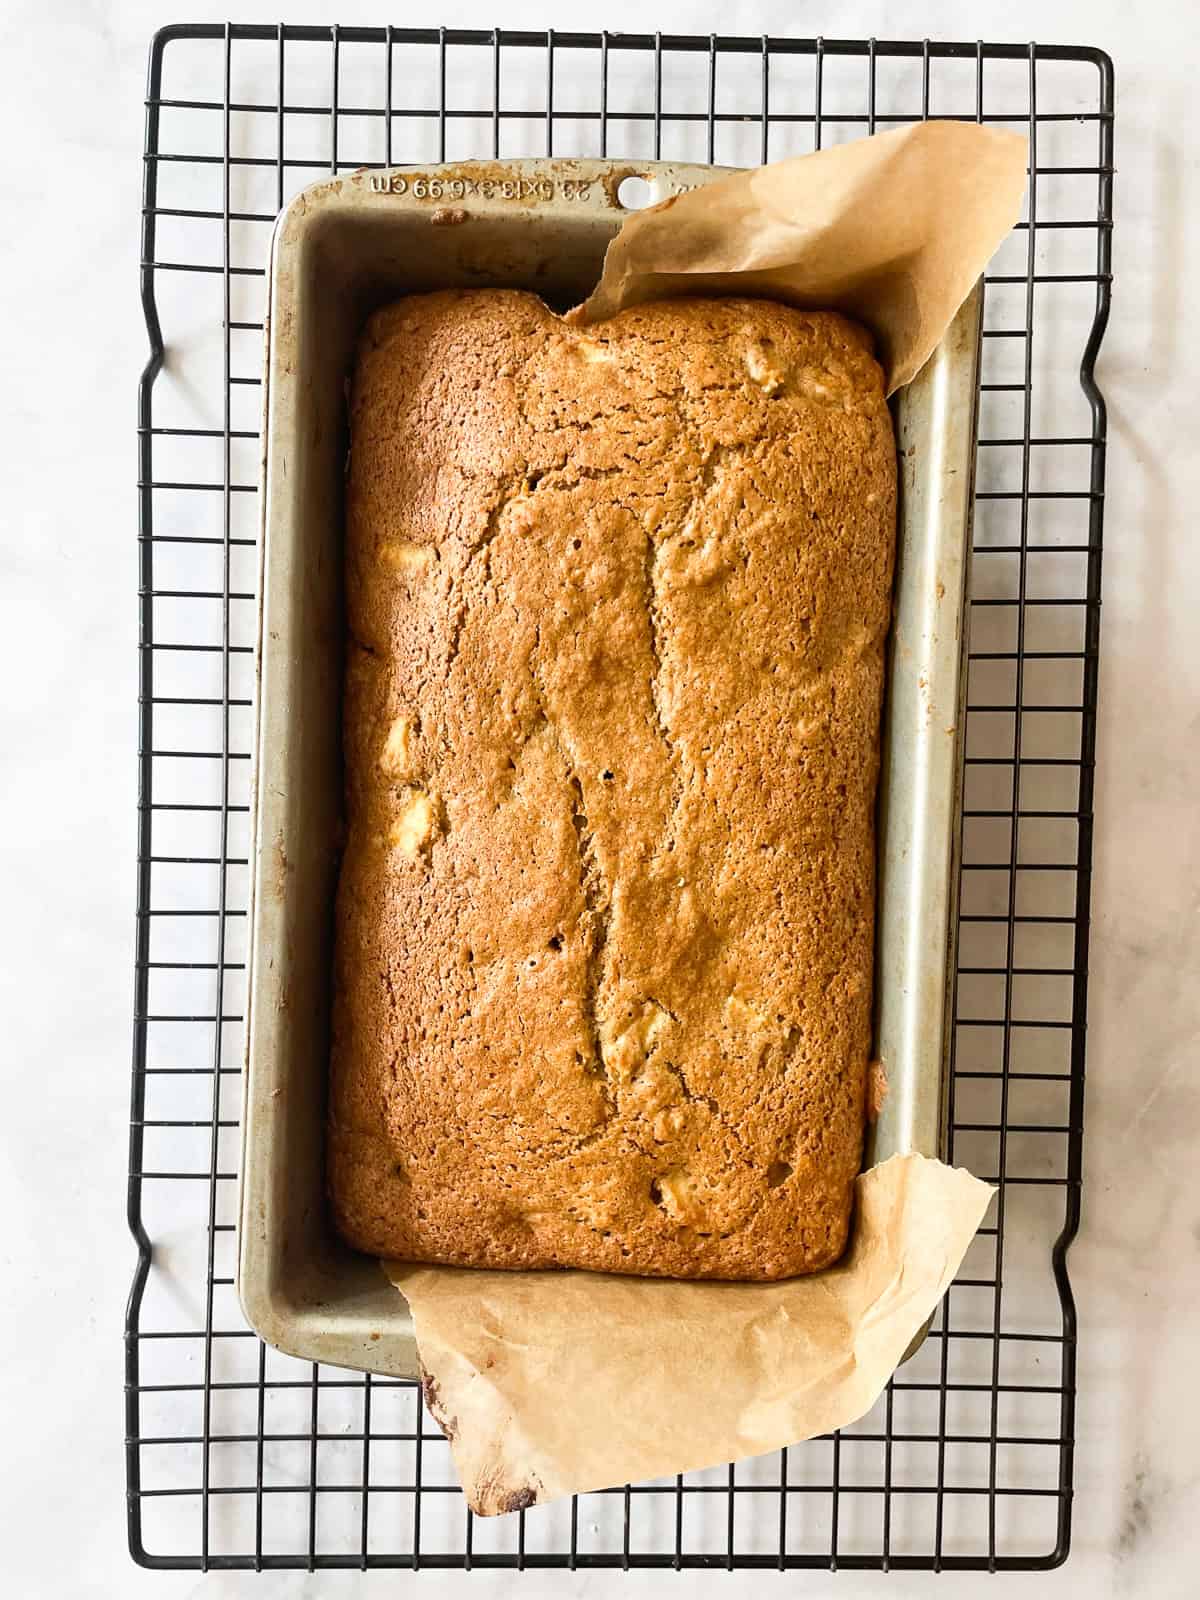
point(240, 1457)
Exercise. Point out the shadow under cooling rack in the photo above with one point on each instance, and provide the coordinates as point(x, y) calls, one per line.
point(240, 1457)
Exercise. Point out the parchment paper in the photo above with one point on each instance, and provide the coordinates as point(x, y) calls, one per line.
point(553, 1383)
point(892, 230)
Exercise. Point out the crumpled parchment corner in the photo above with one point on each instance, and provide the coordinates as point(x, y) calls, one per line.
point(554, 1383)
point(894, 230)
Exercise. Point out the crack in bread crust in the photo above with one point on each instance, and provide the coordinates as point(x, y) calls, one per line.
point(597, 915)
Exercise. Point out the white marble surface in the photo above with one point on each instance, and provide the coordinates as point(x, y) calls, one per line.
point(72, 132)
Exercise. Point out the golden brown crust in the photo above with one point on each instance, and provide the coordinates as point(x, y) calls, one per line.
point(617, 600)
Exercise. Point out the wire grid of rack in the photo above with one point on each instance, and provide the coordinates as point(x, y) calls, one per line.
point(240, 1457)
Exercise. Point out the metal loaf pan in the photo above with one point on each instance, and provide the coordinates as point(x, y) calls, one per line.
point(340, 250)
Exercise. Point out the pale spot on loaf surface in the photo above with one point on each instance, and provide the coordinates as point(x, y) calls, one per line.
point(412, 827)
point(402, 555)
point(593, 353)
point(676, 1193)
point(764, 371)
point(669, 1123)
point(396, 756)
point(604, 923)
point(742, 1014)
point(626, 1055)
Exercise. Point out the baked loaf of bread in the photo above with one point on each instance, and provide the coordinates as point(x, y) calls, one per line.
point(617, 599)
